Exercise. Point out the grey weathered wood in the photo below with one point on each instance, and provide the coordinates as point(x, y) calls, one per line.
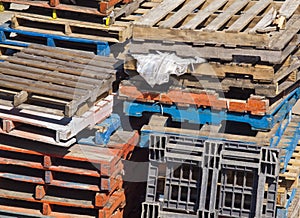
point(97, 70)
point(128, 8)
point(20, 98)
point(288, 8)
point(265, 21)
point(248, 16)
point(222, 53)
point(203, 14)
point(220, 20)
point(181, 14)
point(73, 53)
point(91, 62)
point(10, 83)
point(159, 12)
point(48, 78)
point(55, 74)
point(283, 37)
point(68, 91)
point(54, 67)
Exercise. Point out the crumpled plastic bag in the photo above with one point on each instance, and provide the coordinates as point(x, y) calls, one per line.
point(157, 68)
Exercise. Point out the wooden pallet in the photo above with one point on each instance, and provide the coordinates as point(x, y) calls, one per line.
point(268, 80)
point(30, 122)
point(216, 52)
point(98, 7)
point(256, 105)
point(85, 178)
point(256, 70)
point(86, 28)
point(33, 73)
point(56, 207)
point(268, 24)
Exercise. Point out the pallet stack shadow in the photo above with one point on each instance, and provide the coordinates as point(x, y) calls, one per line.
point(73, 29)
point(240, 162)
point(48, 97)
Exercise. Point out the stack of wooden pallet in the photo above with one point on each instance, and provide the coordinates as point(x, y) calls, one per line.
point(81, 181)
point(250, 77)
point(74, 27)
point(50, 94)
point(48, 98)
point(251, 50)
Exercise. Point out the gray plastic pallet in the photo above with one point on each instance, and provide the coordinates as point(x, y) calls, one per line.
point(189, 175)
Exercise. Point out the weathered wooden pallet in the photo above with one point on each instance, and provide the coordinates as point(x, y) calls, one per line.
point(255, 70)
point(119, 31)
point(228, 86)
point(216, 52)
point(98, 7)
point(72, 79)
point(268, 24)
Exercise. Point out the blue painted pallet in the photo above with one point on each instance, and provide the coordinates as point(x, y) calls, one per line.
point(206, 115)
point(102, 48)
point(100, 135)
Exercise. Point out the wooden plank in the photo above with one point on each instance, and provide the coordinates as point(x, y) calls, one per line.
point(11, 83)
point(72, 53)
point(203, 14)
point(265, 21)
point(49, 79)
point(246, 18)
point(181, 14)
point(55, 74)
point(159, 12)
point(105, 73)
point(288, 8)
point(95, 63)
point(218, 22)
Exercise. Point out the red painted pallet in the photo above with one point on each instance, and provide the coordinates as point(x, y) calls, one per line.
point(81, 178)
point(99, 8)
point(256, 105)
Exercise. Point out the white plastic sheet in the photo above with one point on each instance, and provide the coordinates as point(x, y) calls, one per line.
point(157, 68)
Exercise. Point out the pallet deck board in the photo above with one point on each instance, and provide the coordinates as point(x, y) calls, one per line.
point(159, 12)
point(182, 13)
point(221, 19)
point(204, 14)
point(246, 18)
point(226, 23)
